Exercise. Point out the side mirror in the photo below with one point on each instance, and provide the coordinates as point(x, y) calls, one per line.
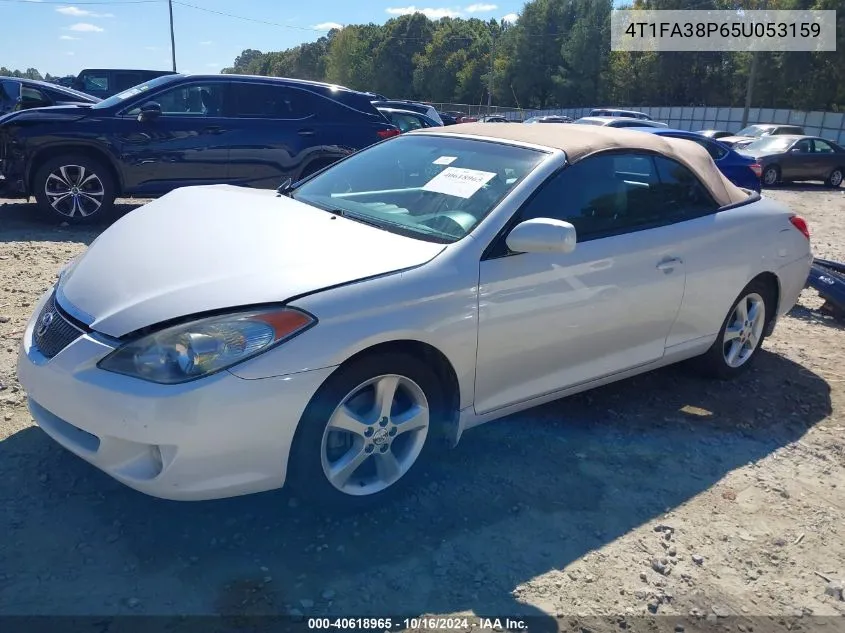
point(796, 150)
point(542, 235)
point(150, 111)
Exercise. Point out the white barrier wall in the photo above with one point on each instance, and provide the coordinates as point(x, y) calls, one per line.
point(830, 125)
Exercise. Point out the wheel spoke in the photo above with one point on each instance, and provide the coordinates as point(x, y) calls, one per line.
point(345, 467)
point(753, 338)
point(415, 418)
point(65, 177)
point(736, 348)
point(385, 390)
point(75, 207)
point(742, 310)
point(387, 466)
point(57, 199)
point(345, 420)
point(754, 312)
point(58, 180)
point(85, 196)
point(90, 177)
point(732, 333)
point(80, 176)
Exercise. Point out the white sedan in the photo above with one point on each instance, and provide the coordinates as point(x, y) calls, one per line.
point(222, 341)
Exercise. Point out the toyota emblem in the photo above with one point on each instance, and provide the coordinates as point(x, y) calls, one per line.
point(44, 323)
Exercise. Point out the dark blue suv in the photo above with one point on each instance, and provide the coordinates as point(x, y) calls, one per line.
point(181, 130)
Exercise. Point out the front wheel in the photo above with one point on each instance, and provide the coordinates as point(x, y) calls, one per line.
point(365, 432)
point(75, 189)
point(741, 335)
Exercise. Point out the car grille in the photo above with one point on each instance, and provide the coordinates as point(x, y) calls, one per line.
point(53, 331)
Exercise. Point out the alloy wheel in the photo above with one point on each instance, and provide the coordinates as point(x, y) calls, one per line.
point(836, 178)
point(74, 191)
point(744, 330)
point(375, 435)
point(771, 176)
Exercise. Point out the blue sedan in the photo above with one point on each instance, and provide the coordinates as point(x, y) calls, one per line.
point(741, 170)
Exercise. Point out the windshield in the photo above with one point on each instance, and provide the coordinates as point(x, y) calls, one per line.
point(434, 188)
point(769, 144)
point(120, 97)
point(752, 130)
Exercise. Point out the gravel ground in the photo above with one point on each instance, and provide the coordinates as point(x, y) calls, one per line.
point(662, 494)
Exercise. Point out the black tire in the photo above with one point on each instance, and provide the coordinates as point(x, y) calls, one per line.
point(835, 178)
point(94, 182)
point(306, 476)
point(770, 176)
point(713, 363)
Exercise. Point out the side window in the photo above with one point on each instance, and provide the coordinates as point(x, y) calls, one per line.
point(804, 145)
point(271, 102)
point(195, 100)
point(680, 195)
point(716, 152)
point(596, 195)
point(611, 194)
point(95, 83)
point(34, 98)
point(405, 123)
point(822, 147)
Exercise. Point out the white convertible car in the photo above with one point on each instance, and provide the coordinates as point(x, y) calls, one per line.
point(329, 337)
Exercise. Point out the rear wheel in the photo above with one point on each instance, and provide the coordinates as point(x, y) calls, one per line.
point(75, 189)
point(365, 432)
point(835, 178)
point(741, 335)
point(771, 176)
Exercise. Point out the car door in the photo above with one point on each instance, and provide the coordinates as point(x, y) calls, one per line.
point(550, 321)
point(278, 133)
point(796, 162)
point(825, 159)
point(187, 145)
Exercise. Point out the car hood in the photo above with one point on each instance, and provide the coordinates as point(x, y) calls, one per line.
point(214, 247)
point(68, 112)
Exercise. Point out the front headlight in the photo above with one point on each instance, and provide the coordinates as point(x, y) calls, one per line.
point(192, 350)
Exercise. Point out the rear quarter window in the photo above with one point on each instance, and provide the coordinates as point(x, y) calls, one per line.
point(356, 101)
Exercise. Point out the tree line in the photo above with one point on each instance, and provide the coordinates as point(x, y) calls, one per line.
point(557, 54)
point(29, 73)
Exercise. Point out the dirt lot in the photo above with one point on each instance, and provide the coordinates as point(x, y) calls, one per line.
point(663, 494)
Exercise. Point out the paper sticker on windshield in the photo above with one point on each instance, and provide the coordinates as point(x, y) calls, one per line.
point(445, 160)
point(128, 93)
point(459, 182)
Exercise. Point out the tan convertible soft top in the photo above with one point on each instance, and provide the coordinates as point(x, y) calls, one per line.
point(579, 141)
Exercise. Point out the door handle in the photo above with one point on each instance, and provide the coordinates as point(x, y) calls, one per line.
point(213, 129)
point(306, 132)
point(669, 264)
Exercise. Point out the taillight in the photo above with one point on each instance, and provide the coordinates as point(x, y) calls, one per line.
point(394, 131)
point(757, 168)
point(801, 224)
